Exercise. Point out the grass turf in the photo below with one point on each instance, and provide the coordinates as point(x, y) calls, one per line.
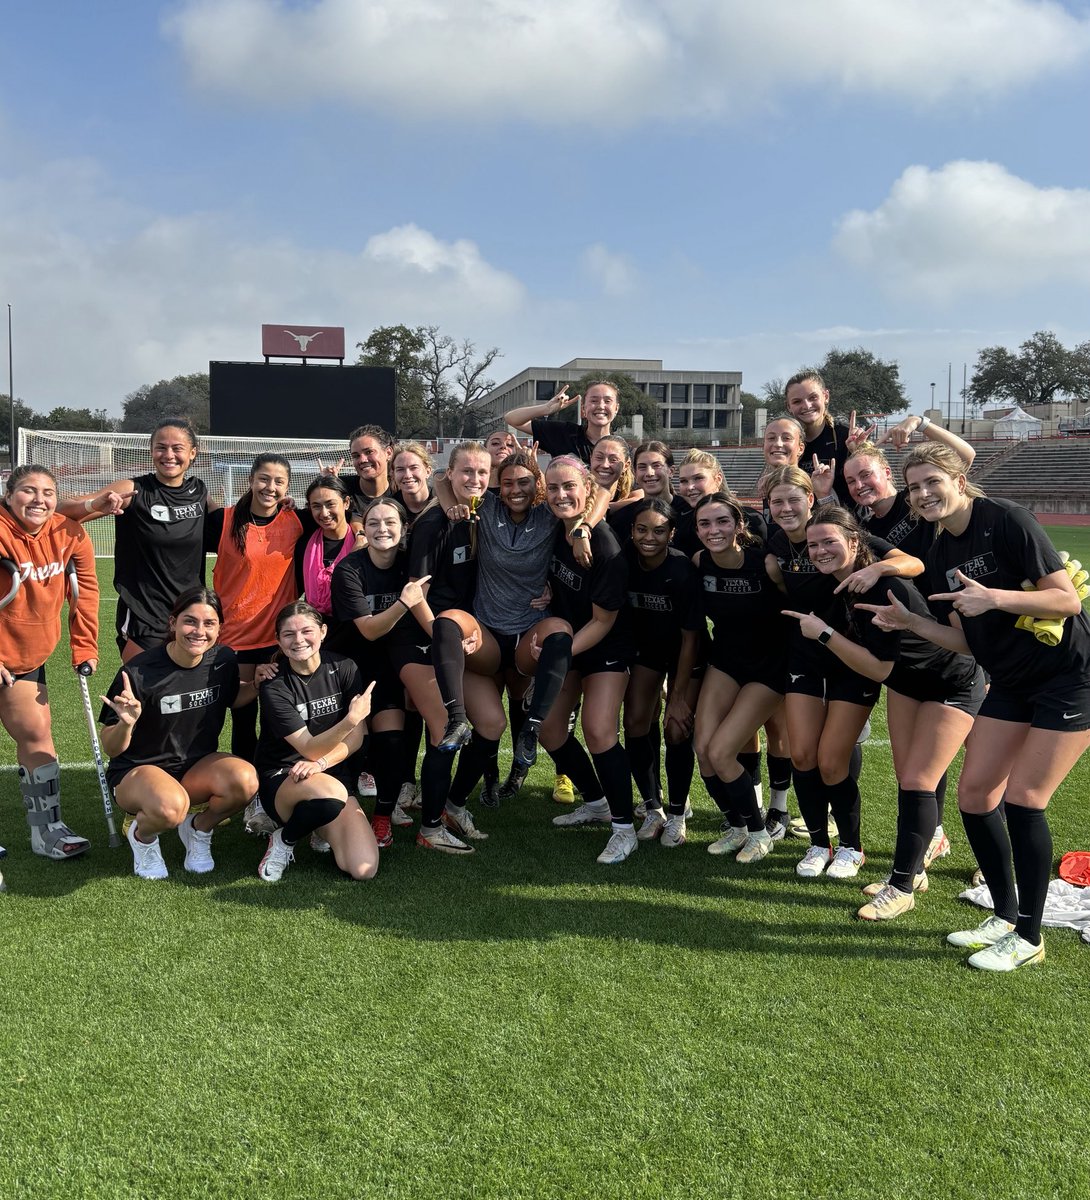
point(523, 1023)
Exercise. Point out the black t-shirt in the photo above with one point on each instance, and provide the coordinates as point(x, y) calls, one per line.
point(1001, 546)
point(922, 668)
point(183, 708)
point(561, 437)
point(662, 602)
point(900, 527)
point(360, 499)
point(361, 589)
point(831, 443)
point(445, 550)
point(605, 583)
point(743, 605)
point(291, 702)
point(159, 547)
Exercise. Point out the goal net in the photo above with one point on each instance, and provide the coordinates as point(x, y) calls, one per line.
point(85, 462)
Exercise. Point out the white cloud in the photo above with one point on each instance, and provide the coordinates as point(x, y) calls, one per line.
point(107, 296)
point(970, 227)
point(617, 61)
point(614, 273)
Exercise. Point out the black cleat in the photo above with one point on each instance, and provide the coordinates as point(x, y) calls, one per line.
point(525, 753)
point(456, 734)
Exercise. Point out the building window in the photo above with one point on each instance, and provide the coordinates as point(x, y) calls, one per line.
point(722, 393)
point(546, 389)
point(664, 418)
point(679, 417)
point(642, 387)
point(721, 419)
point(679, 393)
point(657, 391)
point(702, 394)
point(702, 417)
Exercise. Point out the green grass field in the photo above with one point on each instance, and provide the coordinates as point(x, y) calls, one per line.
point(523, 1023)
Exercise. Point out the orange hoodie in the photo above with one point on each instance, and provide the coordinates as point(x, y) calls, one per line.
point(30, 626)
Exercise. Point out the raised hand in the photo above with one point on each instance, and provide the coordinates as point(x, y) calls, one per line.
point(900, 433)
point(358, 707)
point(856, 435)
point(562, 399)
point(810, 624)
point(324, 470)
point(822, 477)
point(972, 600)
point(412, 593)
point(889, 617)
point(125, 703)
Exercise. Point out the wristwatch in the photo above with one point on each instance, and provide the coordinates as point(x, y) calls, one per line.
point(581, 532)
point(824, 636)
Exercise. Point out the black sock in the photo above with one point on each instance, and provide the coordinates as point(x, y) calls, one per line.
point(1031, 848)
point(641, 756)
point(572, 760)
point(813, 804)
point(719, 792)
point(989, 841)
point(855, 763)
point(845, 803)
point(655, 735)
point(940, 799)
point(613, 770)
point(915, 829)
point(412, 736)
point(744, 802)
point(449, 662)
point(750, 762)
point(471, 766)
point(309, 815)
point(387, 755)
point(680, 760)
point(516, 718)
point(779, 777)
point(244, 731)
point(434, 785)
point(553, 665)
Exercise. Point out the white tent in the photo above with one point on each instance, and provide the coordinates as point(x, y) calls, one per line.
point(1016, 426)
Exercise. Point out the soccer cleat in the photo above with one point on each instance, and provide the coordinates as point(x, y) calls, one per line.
point(756, 847)
point(456, 735)
point(400, 817)
point(846, 863)
point(1008, 954)
point(938, 847)
point(987, 933)
point(147, 858)
point(256, 821)
point(525, 752)
point(440, 838)
point(365, 785)
point(814, 861)
point(198, 847)
point(596, 812)
point(563, 791)
point(734, 839)
point(888, 902)
point(653, 825)
point(277, 857)
point(318, 843)
point(776, 824)
point(640, 810)
point(383, 831)
point(674, 834)
point(490, 793)
point(460, 821)
point(796, 827)
point(920, 884)
point(977, 878)
point(512, 785)
point(409, 797)
point(622, 843)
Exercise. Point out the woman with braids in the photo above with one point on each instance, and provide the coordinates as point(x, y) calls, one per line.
point(744, 682)
point(932, 695)
point(827, 444)
point(827, 703)
point(39, 547)
point(159, 535)
point(590, 600)
point(254, 543)
point(1003, 594)
point(161, 722)
point(312, 722)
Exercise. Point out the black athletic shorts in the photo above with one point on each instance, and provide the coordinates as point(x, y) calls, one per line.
point(410, 655)
point(114, 775)
point(261, 654)
point(35, 675)
point(269, 784)
point(599, 660)
point(773, 673)
point(847, 686)
point(389, 691)
point(508, 644)
point(967, 698)
point(131, 629)
point(1062, 704)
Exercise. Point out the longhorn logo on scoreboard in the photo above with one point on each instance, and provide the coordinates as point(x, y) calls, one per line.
point(302, 341)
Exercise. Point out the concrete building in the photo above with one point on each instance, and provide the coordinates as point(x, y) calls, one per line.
point(708, 402)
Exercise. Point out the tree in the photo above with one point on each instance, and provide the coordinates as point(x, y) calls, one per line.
point(750, 404)
point(183, 396)
point(25, 418)
point(858, 382)
point(402, 348)
point(471, 384)
point(1042, 371)
point(632, 400)
point(76, 419)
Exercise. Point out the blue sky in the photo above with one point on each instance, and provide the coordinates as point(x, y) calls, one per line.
point(723, 185)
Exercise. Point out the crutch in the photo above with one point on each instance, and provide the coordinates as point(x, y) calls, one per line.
point(7, 565)
point(83, 671)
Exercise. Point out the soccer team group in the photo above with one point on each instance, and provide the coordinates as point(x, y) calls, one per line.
point(400, 606)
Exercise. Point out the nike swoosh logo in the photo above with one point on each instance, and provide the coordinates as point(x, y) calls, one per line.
point(1071, 716)
point(612, 662)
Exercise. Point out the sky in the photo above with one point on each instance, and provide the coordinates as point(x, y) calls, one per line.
point(719, 184)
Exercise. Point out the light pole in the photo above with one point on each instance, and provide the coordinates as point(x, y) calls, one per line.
point(11, 401)
point(932, 396)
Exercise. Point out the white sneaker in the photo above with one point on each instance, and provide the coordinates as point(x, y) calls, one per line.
point(440, 838)
point(256, 821)
point(846, 863)
point(596, 812)
point(147, 858)
point(814, 861)
point(987, 933)
point(674, 834)
point(1008, 954)
point(198, 847)
point(460, 821)
point(756, 847)
point(318, 843)
point(640, 810)
point(734, 839)
point(365, 785)
point(938, 847)
point(622, 843)
point(409, 797)
point(920, 884)
point(400, 817)
point(277, 857)
point(864, 733)
point(653, 825)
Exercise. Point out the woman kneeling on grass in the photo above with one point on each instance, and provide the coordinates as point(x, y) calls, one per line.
point(312, 722)
point(1003, 595)
point(162, 719)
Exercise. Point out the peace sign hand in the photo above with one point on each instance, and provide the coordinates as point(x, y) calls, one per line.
point(125, 703)
point(973, 599)
point(562, 399)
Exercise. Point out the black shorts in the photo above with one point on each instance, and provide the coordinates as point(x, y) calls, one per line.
point(602, 659)
point(847, 686)
point(1062, 704)
point(269, 784)
point(261, 654)
point(402, 656)
point(35, 675)
point(508, 644)
point(114, 775)
point(929, 690)
point(388, 692)
point(655, 658)
point(131, 629)
point(772, 673)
